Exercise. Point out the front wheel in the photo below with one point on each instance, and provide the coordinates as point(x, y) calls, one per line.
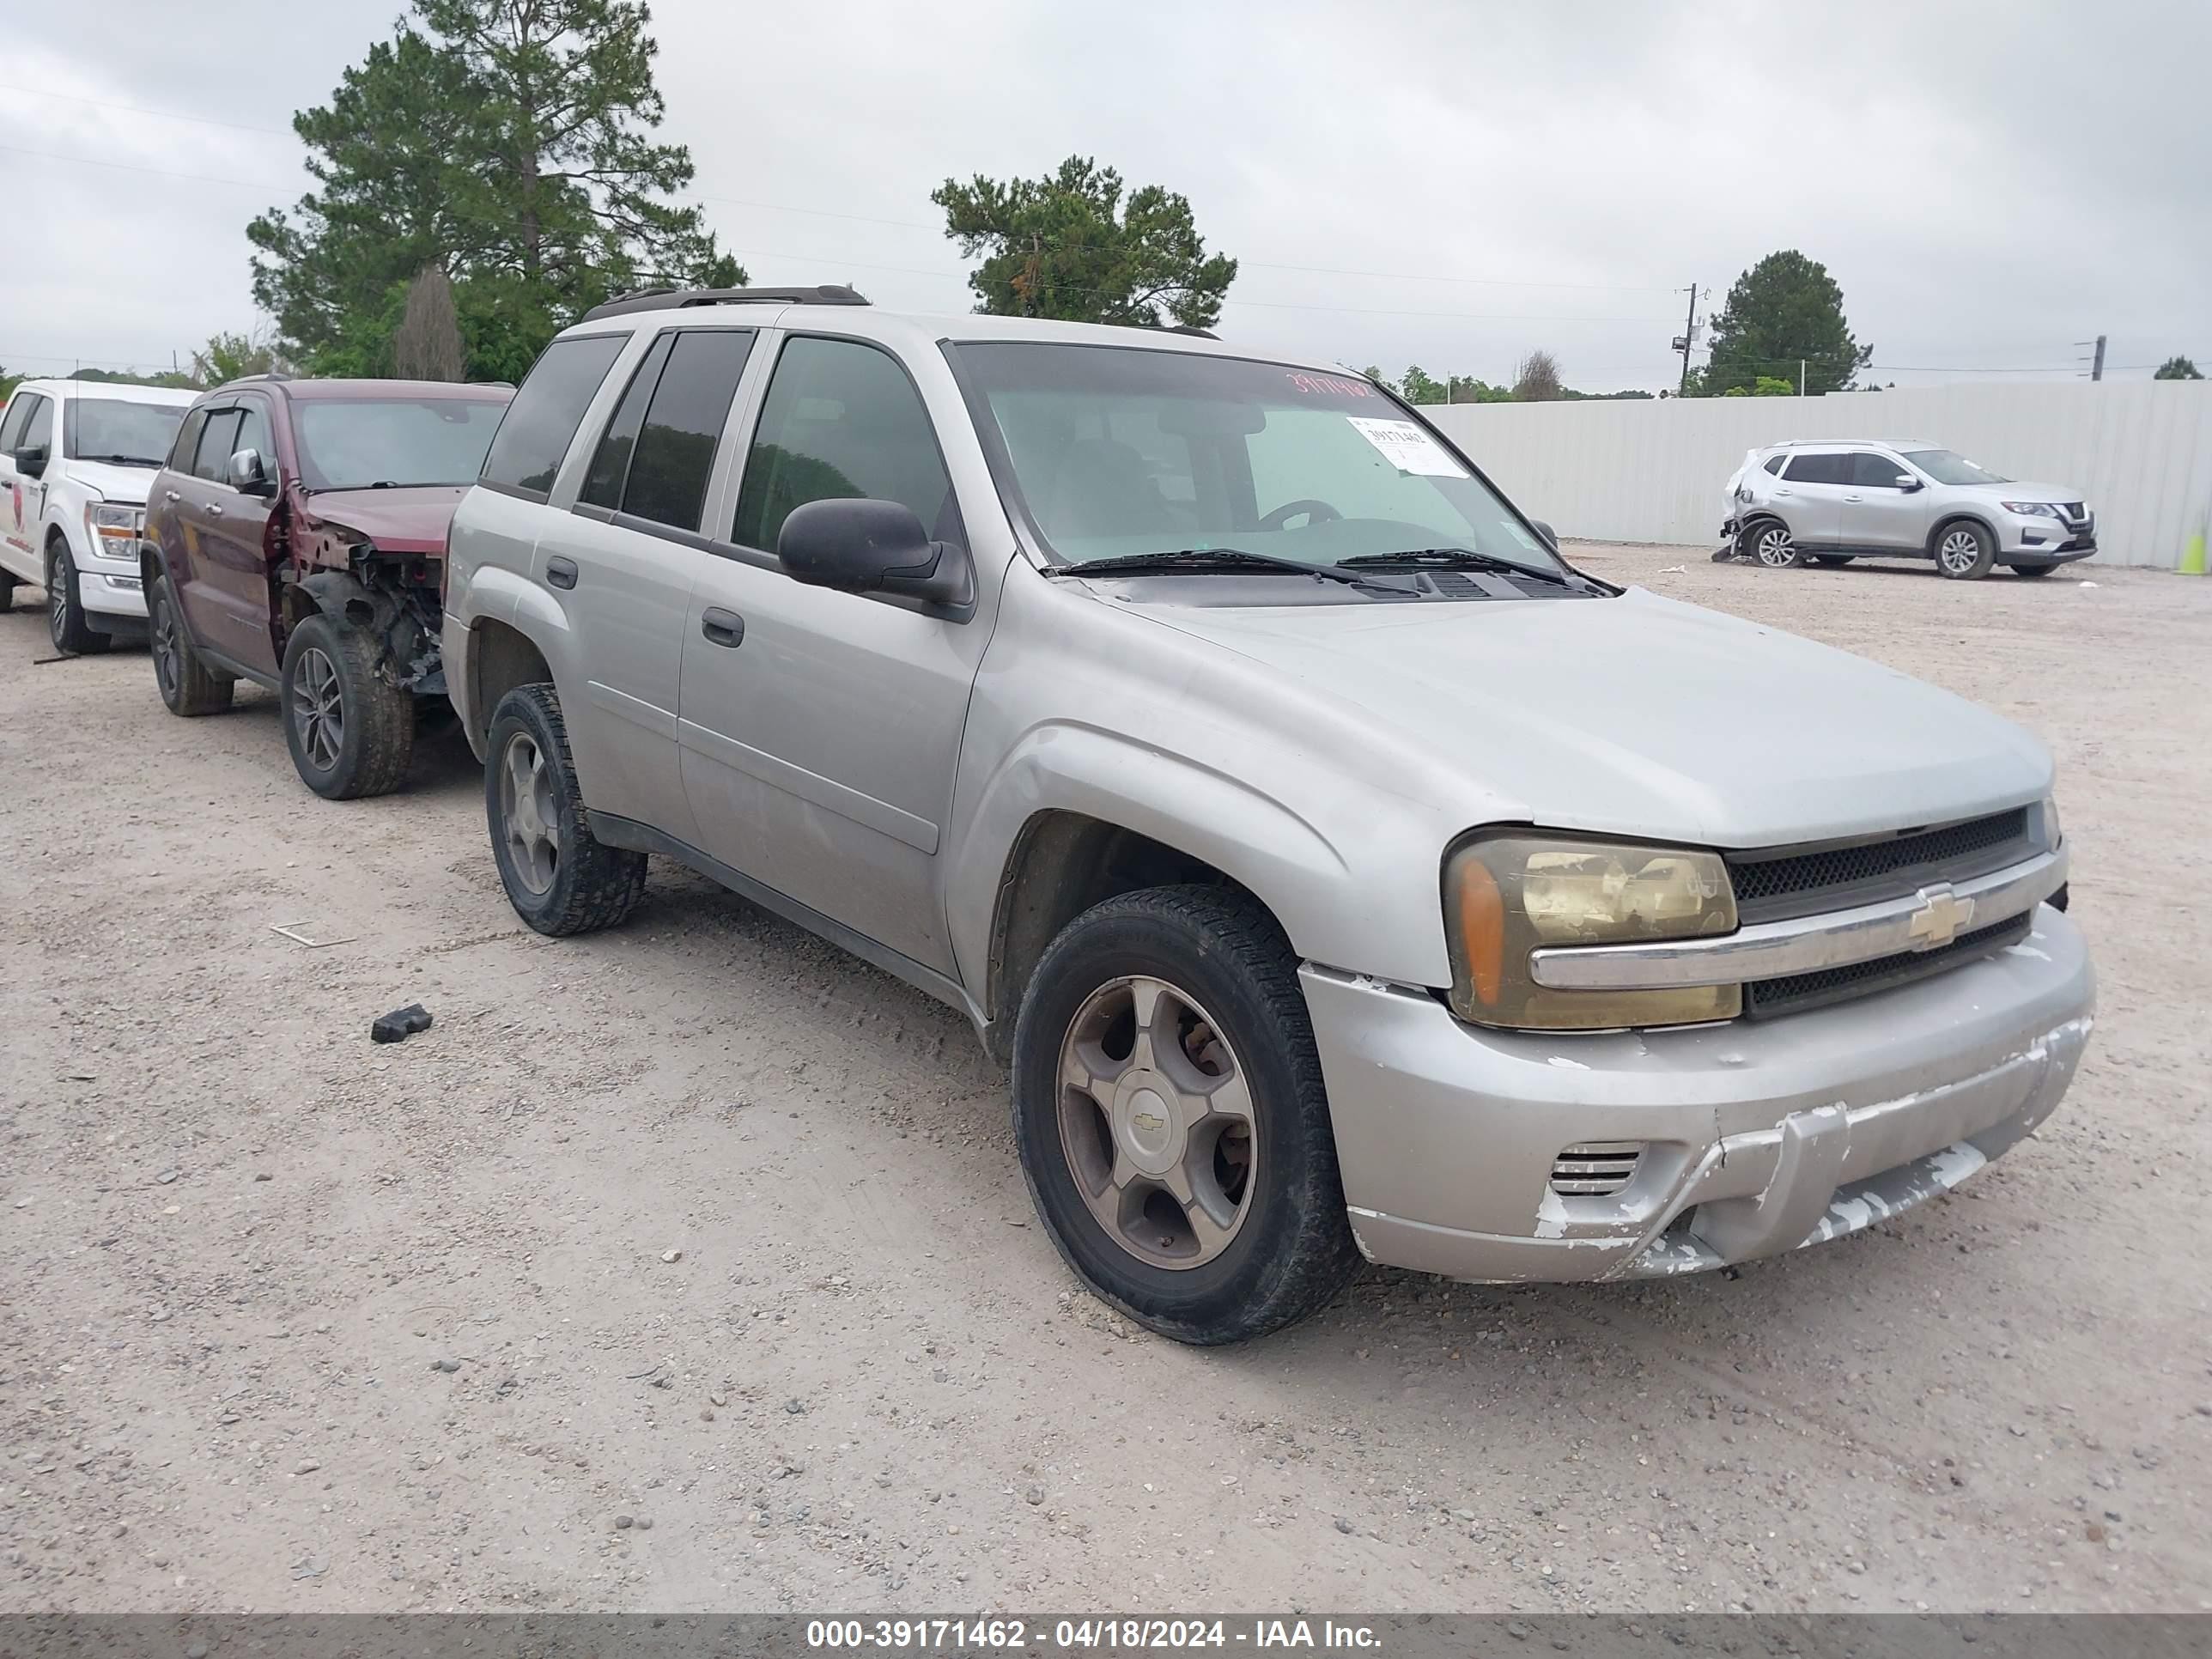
point(2031, 570)
point(66, 624)
point(350, 730)
point(1769, 542)
point(1171, 1120)
point(560, 878)
point(1964, 552)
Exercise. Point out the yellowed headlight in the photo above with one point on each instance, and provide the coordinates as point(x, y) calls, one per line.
point(1505, 896)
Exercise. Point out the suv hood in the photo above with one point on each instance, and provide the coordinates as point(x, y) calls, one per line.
point(127, 484)
point(2022, 490)
point(1643, 716)
point(413, 518)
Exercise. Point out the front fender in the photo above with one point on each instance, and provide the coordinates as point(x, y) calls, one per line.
point(494, 594)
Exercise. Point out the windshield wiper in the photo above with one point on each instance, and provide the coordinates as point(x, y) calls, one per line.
point(122, 460)
point(1209, 561)
point(1454, 559)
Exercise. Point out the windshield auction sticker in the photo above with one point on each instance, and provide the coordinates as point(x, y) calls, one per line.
point(1406, 447)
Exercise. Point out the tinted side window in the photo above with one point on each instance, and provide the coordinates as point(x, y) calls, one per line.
point(39, 430)
point(610, 468)
point(1819, 469)
point(188, 441)
point(1876, 471)
point(841, 421)
point(1774, 463)
point(547, 410)
point(683, 424)
point(218, 441)
point(254, 433)
point(19, 416)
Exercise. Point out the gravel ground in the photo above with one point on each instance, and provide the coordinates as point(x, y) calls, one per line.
point(704, 1224)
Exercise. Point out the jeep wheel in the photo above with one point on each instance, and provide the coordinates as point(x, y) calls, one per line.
point(2031, 570)
point(1964, 552)
point(1171, 1121)
point(1769, 542)
point(559, 877)
point(352, 731)
point(188, 686)
point(73, 636)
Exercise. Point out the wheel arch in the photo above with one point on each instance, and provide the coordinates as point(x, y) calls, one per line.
point(1962, 516)
point(500, 657)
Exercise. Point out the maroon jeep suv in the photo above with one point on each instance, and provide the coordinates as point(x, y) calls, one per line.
point(297, 539)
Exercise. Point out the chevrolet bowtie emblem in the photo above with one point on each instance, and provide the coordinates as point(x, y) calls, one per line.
point(1941, 914)
point(1149, 1123)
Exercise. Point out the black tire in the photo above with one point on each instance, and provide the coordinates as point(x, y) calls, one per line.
point(1953, 559)
point(330, 678)
point(66, 626)
point(188, 686)
point(587, 885)
point(1831, 561)
point(1767, 543)
point(7, 592)
point(2031, 571)
point(1292, 1249)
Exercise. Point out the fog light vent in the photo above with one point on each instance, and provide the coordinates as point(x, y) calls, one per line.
point(1595, 1169)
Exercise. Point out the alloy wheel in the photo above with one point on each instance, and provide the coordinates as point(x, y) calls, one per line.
point(319, 708)
point(1958, 552)
point(527, 811)
point(59, 579)
point(168, 669)
point(1774, 547)
point(1155, 1122)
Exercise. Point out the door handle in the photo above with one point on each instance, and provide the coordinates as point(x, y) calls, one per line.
point(1781, 492)
point(174, 495)
point(561, 573)
point(722, 627)
point(214, 509)
point(1854, 498)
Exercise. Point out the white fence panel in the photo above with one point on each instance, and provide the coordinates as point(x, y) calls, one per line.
point(2139, 452)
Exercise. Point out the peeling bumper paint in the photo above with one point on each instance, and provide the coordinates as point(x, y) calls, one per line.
point(1759, 1137)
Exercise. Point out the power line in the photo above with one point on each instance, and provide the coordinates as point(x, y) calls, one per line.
point(140, 109)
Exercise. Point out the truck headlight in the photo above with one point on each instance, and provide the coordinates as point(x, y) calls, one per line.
point(1504, 895)
point(114, 527)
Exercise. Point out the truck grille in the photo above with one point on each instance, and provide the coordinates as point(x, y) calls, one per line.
point(1806, 881)
point(1764, 999)
point(1595, 1169)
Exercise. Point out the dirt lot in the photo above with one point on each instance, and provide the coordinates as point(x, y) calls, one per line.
point(239, 1239)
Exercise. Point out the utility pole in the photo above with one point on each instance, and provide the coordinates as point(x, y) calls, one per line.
point(2097, 361)
point(1801, 377)
point(1682, 345)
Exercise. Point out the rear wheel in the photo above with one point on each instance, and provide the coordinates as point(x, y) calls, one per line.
point(188, 686)
point(352, 731)
point(1769, 542)
point(72, 635)
point(1964, 552)
point(2031, 570)
point(1171, 1120)
point(560, 878)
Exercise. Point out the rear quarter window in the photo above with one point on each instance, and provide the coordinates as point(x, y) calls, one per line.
point(543, 419)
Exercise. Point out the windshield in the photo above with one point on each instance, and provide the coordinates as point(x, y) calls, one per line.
point(363, 443)
point(1122, 452)
point(1947, 468)
point(126, 434)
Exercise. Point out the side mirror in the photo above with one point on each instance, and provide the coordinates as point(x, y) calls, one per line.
point(1907, 482)
point(872, 547)
point(31, 463)
point(1550, 535)
point(247, 475)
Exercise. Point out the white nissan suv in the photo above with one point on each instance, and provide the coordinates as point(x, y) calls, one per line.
point(76, 460)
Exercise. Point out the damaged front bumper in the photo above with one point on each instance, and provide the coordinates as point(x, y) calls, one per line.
point(1728, 1142)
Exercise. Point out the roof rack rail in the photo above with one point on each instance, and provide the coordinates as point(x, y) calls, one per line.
point(1190, 328)
point(668, 299)
point(265, 374)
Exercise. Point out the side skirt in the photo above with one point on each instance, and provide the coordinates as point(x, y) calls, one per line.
point(644, 838)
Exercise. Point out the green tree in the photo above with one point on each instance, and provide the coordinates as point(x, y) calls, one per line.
point(229, 356)
point(8, 382)
point(506, 143)
point(1766, 385)
point(1418, 386)
point(1783, 308)
point(2176, 368)
point(1067, 246)
point(1537, 380)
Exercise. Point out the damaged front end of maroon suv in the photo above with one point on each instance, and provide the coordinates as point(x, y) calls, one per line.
point(297, 539)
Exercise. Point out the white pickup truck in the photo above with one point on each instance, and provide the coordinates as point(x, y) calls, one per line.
point(76, 460)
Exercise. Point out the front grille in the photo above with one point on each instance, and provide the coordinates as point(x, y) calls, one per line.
point(1770, 886)
point(1765, 997)
point(1595, 1169)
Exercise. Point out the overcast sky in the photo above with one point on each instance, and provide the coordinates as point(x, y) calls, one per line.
point(1442, 184)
